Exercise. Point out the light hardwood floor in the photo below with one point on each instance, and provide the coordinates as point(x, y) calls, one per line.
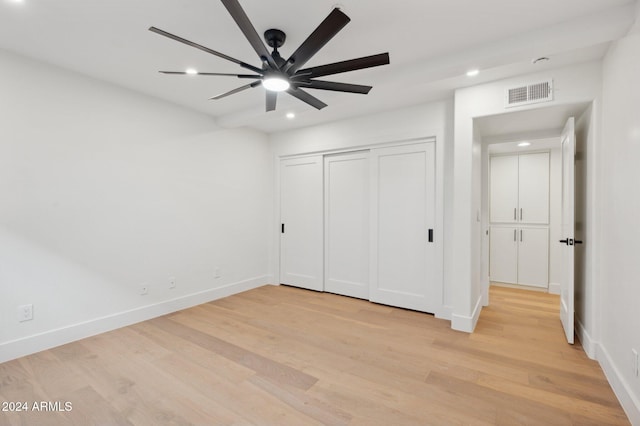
point(280, 355)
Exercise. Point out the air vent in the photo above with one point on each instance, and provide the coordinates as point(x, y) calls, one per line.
point(529, 94)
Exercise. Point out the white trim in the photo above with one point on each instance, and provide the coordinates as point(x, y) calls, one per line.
point(52, 338)
point(445, 313)
point(587, 342)
point(467, 323)
point(621, 388)
point(554, 288)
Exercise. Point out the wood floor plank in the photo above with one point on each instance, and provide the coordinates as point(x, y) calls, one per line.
point(279, 355)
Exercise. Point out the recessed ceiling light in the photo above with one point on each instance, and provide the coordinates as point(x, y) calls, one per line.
point(191, 71)
point(291, 115)
point(524, 144)
point(473, 73)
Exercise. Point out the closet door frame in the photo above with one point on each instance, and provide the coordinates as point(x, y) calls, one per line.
point(443, 307)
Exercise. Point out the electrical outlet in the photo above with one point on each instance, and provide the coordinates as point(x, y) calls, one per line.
point(635, 361)
point(216, 272)
point(25, 313)
point(172, 282)
point(144, 289)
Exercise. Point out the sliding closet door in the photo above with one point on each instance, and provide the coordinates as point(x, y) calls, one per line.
point(346, 189)
point(402, 213)
point(301, 257)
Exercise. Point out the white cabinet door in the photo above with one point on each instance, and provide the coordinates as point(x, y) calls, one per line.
point(403, 267)
point(534, 188)
point(503, 192)
point(346, 192)
point(503, 254)
point(301, 245)
point(533, 256)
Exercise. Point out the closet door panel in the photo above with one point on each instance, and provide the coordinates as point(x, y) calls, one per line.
point(533, 256)
point(503, 189)
point(347, 224)
point(301, 243)
point(402, 212)
point(534, 188)
point(503, 254)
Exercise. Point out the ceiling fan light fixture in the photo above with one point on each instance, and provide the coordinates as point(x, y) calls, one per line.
point(276, 83)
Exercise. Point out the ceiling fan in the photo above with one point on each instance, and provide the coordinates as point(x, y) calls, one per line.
point(285, 75)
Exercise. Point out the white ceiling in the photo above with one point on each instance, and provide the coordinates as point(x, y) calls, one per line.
point(431, 43)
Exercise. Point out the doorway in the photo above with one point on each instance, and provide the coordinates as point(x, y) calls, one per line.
point(542, 128)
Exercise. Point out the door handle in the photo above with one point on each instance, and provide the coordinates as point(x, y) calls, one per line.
point(577, 241)
point(430, 235)
point(282, 229)
point(521, 213)
point(521, 235)
point(515, 233)
point(565, 241)
point(515, 214)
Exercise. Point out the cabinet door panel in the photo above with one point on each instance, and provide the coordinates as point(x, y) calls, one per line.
point(534, 188)
point(346, 178)
point(503, 254)
point(503, 192)
point(403, 260)
point(301, 260)
point(533, 257)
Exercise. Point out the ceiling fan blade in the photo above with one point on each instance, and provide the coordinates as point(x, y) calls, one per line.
point(205, 49)
point(336, 87)
point(249, 31)
point(318, 38)
point(307, 98)
point(237, 90)
point(272, 98)
point(346, 66)
point(212, 73)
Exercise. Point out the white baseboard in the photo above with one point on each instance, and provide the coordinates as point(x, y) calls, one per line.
point(554, 288)
point(588, 344)
point(467, 323)
point(52, 338)
point(621, 388)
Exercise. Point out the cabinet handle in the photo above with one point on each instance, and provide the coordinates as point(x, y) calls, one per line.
point(515, 217)
point(521, 235)
point(520, 213)
point(514, 235)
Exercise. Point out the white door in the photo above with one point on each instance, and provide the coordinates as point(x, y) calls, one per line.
point(503, 193)
point(533, 256)
point(301, 246)
point(346, 186)
point(568, 227)
point(403, 218)
point(503, 254)
point(533, 183)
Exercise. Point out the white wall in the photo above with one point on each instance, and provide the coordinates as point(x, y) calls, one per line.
point(102, 190)
point(575, 84)
point(413, 123)
point(619, 202)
